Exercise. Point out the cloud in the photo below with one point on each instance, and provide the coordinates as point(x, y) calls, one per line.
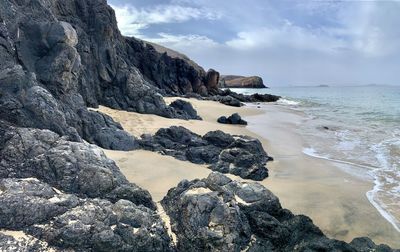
point(184, 43)
point(287, 36)
point(131, 20)
point(284, 42)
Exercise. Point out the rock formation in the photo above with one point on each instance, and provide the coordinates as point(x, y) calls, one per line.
point(232, 119)
point(234, 81)
point(218, 214)
point(238, 155)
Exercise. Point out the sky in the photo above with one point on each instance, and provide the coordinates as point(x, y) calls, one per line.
point(286, 42)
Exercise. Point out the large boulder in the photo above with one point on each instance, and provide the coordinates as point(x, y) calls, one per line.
point(219, 214)
point(73, 167)
point(239, 155)
point(185, 109)
point(50, 217)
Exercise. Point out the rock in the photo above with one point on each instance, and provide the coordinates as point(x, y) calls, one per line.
point(219, 138)
point(234, 81)
point(73, 167)
point(238, 155)
point(231, 98)
point(99, 225)
point(68, 222)
point(228, 100)
point(102, 130)
point(22, 244)
point(25, 202)
point(185, 109)
point(212, 80)
point(233, 119)
point(218, 214)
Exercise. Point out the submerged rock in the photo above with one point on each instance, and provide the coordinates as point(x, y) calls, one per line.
point(219, 214)
point(238, 155)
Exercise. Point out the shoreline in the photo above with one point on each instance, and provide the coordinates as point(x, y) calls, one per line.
point(335, 201)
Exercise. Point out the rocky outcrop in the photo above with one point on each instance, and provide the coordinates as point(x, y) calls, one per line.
point(60, 56)
point(232, 119)
point(73, 167)
point(234, 81)
point(65, 221)
point(218, 214)
point(238, 155)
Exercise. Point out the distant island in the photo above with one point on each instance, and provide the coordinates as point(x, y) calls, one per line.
point(235, 81)
point(323, 86)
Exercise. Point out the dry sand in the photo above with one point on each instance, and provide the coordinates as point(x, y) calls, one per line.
point(335, 200)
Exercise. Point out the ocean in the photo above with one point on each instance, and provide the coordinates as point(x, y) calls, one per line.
point(356, 127)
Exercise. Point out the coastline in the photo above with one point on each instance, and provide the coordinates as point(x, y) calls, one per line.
point(335, 200)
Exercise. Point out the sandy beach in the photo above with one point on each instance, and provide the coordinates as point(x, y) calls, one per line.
point(335, 200)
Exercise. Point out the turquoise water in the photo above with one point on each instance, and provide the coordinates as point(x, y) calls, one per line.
point(357, 127)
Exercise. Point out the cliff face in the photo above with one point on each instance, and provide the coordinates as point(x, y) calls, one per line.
point(60, 56)
point(234, 81)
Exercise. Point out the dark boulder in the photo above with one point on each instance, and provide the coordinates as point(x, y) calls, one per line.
point(99, 225)
point(218, 214)
point(73, 167)
point(185, 109)
point(48, 216)
point(238, 155)
point(233, 119)
point(212, 80)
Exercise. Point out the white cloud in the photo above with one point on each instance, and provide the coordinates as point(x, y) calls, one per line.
point(287, 36)
point(131, 20)
point(184, 43)
point(316, 42)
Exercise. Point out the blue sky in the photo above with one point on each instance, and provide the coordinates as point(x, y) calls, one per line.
point(287, 42)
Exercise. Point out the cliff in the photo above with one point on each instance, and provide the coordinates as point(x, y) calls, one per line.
point(234, 81)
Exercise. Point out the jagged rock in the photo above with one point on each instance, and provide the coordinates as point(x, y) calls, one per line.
point(185, 109)
point(105, 132)
point(73, 167)
point(68, 222)
point(172, 72)
point(218, 214)
point(56, 61)
point(11, 244)
point(24, 202)
point(233, 119)
point(238, 155)
point(99, 225)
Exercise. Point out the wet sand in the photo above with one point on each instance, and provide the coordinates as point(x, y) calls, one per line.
point(335, 200)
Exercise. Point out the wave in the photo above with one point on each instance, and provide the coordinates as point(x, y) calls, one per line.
point(284, 101)
point(379, 175)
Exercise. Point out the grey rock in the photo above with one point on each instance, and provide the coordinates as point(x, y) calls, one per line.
point(185, 109)
point(99, 225)
point(73, 167)
point(238, 155)
point(233, 119)
point(218, 214)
